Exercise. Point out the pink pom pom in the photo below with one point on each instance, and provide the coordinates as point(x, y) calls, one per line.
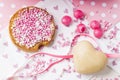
point(81, 28)
point(66, 20)
point(98, 33)
point(95, 24)
point(79, 14)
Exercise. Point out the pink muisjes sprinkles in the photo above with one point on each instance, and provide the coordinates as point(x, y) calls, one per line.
point(32, 25)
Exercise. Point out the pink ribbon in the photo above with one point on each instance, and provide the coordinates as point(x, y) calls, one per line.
point(62, 57)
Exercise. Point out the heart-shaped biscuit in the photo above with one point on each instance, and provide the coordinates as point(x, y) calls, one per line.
point(87, 59)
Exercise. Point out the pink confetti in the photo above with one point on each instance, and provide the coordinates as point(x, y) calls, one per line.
point(114, 63)
point(55, 7)
point(66, 11)
point(67, 43)
point(5, 56)
point(15, 65)
point(79, 76)
point(5, 43)
point(54, 71)
point(54, 47)
point(60, 35)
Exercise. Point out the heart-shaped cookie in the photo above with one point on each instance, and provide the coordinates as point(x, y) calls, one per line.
point(87, 59)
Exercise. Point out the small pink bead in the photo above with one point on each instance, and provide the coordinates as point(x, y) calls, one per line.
point(98, 33)
point(81, 28)
point(66, 20)
point(78, 14)
point(94, 24)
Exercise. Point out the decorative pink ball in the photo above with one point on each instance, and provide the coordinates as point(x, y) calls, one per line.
point(81, 28)
point(98, 33)
point(79, 14)
point(66, 20)
point(95, 24)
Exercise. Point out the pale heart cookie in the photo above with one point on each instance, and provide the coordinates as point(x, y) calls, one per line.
point(87, 59)
point(31, 27)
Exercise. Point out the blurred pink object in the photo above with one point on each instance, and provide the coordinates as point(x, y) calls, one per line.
point(99, 9)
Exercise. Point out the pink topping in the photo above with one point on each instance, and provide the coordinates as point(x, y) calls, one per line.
point(31, 26)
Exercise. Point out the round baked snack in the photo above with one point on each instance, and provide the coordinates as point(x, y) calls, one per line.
point(31, 27)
